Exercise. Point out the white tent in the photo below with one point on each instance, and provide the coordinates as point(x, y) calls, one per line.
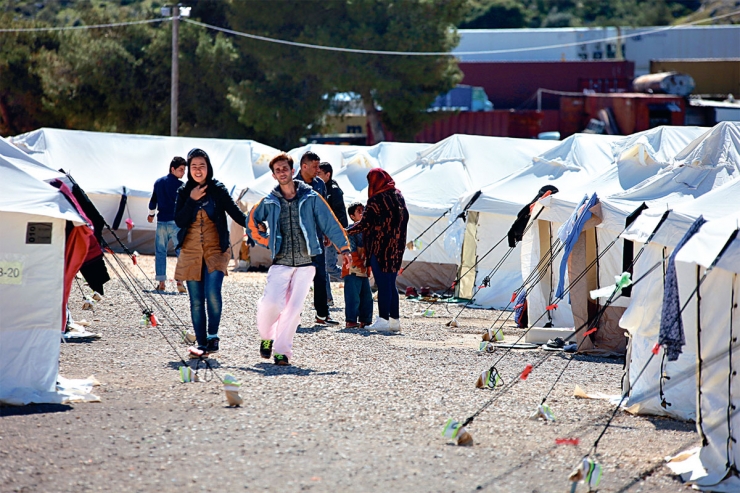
point(434, 182)
point(574, 161)
point(350, 164)
point(711, 324)
point(33, 215)
point(106, 163)
point(642, 318)
point(637, 163)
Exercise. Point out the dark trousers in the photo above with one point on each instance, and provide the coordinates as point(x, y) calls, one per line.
point(320, 300)
point(358, 299)
point(387, 292)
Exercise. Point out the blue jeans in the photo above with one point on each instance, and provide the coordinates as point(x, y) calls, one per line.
point(166, 231)
point(387, 292)
point(205, 296)
point(358, 299)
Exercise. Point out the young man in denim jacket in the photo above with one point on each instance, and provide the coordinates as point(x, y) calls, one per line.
point(286, 222)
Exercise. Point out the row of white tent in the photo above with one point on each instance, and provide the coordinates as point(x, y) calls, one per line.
point(679, 173)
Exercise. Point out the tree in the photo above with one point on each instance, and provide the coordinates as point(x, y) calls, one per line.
point(21, 89)
point(496, 14)
point(403, 86)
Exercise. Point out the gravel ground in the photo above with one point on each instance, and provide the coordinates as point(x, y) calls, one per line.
point(357, 411)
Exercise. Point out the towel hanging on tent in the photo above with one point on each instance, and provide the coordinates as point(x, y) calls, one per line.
point(516, 232)
point(569, 233)
point(671, 335)
point(121, 208)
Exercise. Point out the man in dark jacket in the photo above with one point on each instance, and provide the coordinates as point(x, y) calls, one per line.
point(162, 204)
point(335, 197)
point(307, 173)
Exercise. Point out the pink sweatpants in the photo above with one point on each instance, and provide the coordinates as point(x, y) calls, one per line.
point(279, 309)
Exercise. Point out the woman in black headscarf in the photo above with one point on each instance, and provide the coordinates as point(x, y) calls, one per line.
point(200, 213)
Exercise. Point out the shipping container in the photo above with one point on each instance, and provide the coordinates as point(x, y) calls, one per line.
point(513, 84)
point(713, 77)
point(640, 45)
point(497, 123)
point(632, 112)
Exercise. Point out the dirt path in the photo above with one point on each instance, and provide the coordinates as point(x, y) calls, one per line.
point(358, 411)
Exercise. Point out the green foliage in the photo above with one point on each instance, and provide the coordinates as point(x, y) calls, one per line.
point(495, 14)
point(402, 86)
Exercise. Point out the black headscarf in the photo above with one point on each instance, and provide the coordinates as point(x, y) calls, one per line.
point(191, 183)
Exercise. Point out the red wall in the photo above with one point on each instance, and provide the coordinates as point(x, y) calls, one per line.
point(511, 84)
point(498, 123)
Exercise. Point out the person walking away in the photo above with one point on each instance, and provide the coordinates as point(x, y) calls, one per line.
point(308, 173)
point(358, 298)
point(200, 213)
point(383, 225)
point(162, 204)
point(335, 198)
point(287, 222)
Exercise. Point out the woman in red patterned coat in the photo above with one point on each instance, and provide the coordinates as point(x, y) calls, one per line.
point(383, 226)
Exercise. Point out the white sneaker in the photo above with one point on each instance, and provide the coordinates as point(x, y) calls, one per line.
point(394, 324)
point(380, 324)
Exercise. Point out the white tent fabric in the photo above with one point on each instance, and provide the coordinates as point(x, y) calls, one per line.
point(31, 280)
point(629, 163)
point(454, 167)
point(712, 331)
point(642, 318)
point(575, 160)
point(104, 163)
point(350, 164)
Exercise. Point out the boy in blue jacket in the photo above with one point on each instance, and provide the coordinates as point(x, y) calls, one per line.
point(286, 222)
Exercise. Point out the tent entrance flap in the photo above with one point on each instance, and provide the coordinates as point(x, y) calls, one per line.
point(466, 284)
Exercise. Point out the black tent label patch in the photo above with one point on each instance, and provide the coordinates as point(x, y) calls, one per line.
point(38, 234)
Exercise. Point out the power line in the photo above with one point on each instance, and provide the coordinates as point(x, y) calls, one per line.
point(78, 28)
point(459, 53)
point(373, 52)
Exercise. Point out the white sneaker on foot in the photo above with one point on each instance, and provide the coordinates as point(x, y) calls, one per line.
point(380, 324)
point(394, 324)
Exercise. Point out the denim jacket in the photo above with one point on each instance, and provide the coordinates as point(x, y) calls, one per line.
point(314, 214)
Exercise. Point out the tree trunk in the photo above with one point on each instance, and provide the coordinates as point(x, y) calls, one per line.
point(5, 123)
point(372, 117)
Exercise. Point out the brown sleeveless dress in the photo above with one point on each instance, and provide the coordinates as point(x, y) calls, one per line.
point(200, 246)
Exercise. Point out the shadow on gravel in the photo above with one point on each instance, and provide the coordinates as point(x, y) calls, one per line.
point(366, 333)
point(81, 340)
point(195, 364)
point(671, 424)
point(163, 293)
point(270, 370)
point(311, 330)
point(34, 409)
point(356, 330)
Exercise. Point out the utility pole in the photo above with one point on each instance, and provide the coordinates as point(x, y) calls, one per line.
point(175, 69)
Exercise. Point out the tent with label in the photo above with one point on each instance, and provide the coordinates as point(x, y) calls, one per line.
point(432, 185)
point(118, 171)
point(32, 278)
